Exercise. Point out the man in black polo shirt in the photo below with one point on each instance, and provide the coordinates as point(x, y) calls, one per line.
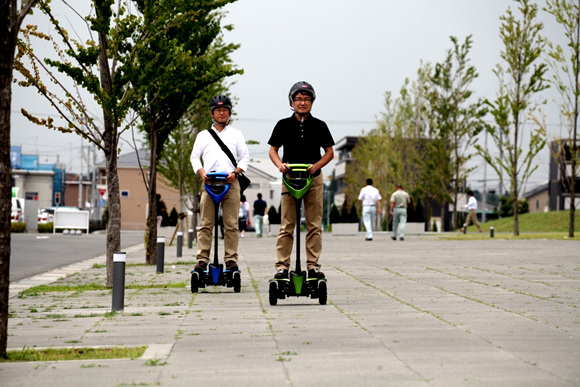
point(302, 136)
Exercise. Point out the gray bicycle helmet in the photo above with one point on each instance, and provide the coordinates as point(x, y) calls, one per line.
point(301, 87)
point(220, 101)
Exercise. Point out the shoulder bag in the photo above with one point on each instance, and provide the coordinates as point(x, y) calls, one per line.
point(242, 179)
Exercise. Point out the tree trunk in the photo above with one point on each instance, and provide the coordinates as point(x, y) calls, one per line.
point(6, 64)
point(151, 249)
point(114, 204)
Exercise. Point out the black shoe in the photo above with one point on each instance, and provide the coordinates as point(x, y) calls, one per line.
point(281, 273)
point(232, 265)
point(315, 273)
point(401, 239)
point(394, 238)
point(200, 267)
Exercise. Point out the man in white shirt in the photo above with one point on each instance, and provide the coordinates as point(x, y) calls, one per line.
point(215, 160)
point(471, 206)
point(370, 198)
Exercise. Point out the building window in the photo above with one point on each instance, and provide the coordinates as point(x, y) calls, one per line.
point(537, 204)
point(124, 194)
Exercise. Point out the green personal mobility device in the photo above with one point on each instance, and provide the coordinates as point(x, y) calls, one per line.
point(298, 181)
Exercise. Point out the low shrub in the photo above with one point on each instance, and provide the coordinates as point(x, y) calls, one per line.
point(17, 227)
point(45, 227)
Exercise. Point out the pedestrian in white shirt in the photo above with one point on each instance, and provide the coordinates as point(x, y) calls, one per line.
point(471, 206)
point(370, 198)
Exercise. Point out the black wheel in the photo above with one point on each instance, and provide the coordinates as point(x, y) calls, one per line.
point(273, 293)
point(194, 282)
point(322, 293)
point(237, 282)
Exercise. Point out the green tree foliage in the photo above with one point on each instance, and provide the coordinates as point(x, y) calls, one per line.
point(521, 77)
point(458, 120)
point(565, 64)
point(506, 208)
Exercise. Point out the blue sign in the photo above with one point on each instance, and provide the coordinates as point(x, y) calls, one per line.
point(15, 156)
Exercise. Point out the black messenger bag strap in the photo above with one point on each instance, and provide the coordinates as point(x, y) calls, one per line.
point(223, 146)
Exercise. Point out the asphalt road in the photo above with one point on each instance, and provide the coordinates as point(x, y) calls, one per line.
point(33, 254)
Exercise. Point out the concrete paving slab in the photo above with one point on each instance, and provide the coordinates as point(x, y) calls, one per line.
point(420, 312)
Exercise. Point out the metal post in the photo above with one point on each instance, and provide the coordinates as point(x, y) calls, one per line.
point(119, 280)
point(160, 254)
point(464, 228)
point(190, 239)
point(491, 231)
point(179, 243)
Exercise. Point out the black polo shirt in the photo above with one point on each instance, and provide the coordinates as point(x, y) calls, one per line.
point(301, 141)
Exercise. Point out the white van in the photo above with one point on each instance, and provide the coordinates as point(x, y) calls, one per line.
point(17, 214)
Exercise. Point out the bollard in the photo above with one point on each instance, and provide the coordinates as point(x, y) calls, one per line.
point(119, 281)
point(160, 254)
point(190, 240)
point(179, 243)
point(464, 228)
point(491, 232)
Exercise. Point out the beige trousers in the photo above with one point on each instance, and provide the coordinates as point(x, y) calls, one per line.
point(313, 214)
point(230, 207)
point(472, 216)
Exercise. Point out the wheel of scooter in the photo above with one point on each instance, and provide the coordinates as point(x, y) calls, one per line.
point(273, 293)
point(237, 282)
point(322, 293)
point(194, 282)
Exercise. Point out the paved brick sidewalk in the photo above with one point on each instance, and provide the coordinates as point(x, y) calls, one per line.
point(419, 312)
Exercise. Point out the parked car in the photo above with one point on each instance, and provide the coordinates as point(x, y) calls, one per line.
point(46, 215)
point(17, 214)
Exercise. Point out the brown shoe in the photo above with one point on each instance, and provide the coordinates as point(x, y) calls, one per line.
point(281, 273)
point(201, 266)
point(232, 265)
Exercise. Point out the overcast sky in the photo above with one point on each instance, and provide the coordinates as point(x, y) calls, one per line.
point(352, 52)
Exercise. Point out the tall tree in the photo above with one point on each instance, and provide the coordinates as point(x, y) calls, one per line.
point(565, 65)
point(182, 50)
point(97, 68)
point(457, 116)
point(12, 17)
point(520, 77)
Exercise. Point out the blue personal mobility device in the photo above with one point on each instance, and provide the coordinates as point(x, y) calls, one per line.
point(298, 181)
point(215, 275)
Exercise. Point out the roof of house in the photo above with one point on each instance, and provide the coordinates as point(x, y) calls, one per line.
point(537, 190)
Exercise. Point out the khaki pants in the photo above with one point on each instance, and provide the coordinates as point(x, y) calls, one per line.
point(313, 213)
point(230, 207)
point(472, 216)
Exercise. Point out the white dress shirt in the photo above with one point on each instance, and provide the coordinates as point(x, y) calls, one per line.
point(214, 158)
point(471, 203)
point(369, 195)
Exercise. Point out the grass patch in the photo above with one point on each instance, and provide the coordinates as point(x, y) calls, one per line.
point(94, 286)
point(57, 354)
point(541, 223)
point(508, 236)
